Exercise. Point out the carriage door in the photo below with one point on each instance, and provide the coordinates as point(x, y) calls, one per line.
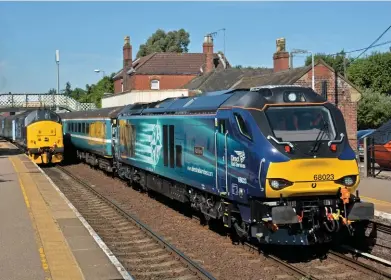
point(13, 130)
point(114, 137)
point(221, 138)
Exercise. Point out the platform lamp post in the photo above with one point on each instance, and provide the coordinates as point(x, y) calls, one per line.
point(98, 71)
point(294, 51)
point(58, 76)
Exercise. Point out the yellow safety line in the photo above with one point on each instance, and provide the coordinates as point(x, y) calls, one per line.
point(376, 200)
point(44, 263)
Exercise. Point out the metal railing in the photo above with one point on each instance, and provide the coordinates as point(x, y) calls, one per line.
point(32, 100)
point(377, 158)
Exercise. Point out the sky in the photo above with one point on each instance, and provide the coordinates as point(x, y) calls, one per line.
point(90, 35)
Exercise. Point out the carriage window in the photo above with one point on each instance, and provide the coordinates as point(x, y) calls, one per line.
point(304, 123)
point(79, 127)
point(87, 128)
point(83, 128)
point(242, 126)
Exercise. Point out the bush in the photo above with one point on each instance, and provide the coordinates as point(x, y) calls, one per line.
point(374, 109)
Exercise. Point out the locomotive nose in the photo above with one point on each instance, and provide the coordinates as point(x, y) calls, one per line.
point(311, 177)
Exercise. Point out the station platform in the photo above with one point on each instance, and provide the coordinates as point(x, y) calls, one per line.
point(41, 235)
point(377, 191)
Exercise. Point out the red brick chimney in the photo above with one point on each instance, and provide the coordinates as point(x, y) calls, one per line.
point(207, 47)
point(281, 56)
point(127, 59)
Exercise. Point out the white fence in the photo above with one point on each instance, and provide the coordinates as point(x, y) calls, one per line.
point(29, 100)
point(135, 96)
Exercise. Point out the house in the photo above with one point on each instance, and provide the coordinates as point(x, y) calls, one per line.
point(166, 71)
point(328, 83)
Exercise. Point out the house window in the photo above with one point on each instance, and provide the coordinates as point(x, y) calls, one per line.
point(324, 89)
point(155, 84)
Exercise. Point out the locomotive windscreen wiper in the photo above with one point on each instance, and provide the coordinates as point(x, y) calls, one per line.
point(319, 137)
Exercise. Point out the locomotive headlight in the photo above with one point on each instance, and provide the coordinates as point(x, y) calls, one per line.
point(279, 184)
point(348, 181)
point(292, 97)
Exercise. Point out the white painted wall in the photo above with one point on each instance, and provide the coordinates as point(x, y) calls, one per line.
point(135, 96)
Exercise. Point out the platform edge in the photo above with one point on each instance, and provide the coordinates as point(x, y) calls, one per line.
point(124, 273)
point(383, 215)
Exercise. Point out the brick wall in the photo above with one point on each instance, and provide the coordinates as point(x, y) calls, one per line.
point(346, 97)
point(118, 86)
point(143, 82)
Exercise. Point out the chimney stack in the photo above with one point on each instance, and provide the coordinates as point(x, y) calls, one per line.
point(127, 60)
point(207, 47)
point(281, 56)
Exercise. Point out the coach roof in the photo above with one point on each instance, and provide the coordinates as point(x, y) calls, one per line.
point(90, 114)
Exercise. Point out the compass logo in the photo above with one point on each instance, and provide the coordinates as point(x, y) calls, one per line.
point(156, 144)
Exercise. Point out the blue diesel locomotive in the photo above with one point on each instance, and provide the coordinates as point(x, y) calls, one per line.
point(271, 162)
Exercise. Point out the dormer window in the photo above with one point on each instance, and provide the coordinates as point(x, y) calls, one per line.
point(155, 84)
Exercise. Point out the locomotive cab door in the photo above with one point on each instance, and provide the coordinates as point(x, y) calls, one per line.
point(221, 154)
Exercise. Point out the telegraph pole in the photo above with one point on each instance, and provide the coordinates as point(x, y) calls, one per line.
point(58, 76)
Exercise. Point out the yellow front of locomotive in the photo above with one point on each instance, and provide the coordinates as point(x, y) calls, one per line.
point(45, 142)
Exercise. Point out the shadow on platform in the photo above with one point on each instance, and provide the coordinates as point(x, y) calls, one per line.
point(4, 151)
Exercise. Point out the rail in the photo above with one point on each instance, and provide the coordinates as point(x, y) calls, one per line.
point(193, 266)
point(32, 100)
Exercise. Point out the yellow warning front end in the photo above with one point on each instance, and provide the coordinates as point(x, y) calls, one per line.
point(45, 142)
point(311, 177)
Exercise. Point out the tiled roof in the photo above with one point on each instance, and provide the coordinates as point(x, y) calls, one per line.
point(172, 64)
point(286, 77)
point(222, 79)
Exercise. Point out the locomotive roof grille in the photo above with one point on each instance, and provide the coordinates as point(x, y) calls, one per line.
point(210, 102)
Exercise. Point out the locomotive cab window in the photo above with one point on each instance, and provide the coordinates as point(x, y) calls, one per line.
point(304, 123)
point(242, 126)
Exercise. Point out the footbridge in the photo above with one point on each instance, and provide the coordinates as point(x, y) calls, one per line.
point(21, 101)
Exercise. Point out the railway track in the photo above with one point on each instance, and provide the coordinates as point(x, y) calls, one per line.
point(141, 251)
point(115, 238)
point(336, 266)
point(381, 227)
point(348, 267)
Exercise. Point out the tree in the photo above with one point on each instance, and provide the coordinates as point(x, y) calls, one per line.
point(160, 41)
point(335, 61)
point(78, 94)
point(52, 91)
point(68, 89)
point(373, 71)
point(373, 109)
